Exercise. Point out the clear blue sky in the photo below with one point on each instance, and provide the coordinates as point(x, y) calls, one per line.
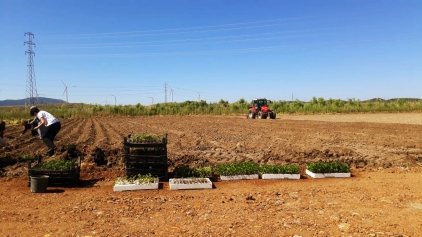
point(213, 50)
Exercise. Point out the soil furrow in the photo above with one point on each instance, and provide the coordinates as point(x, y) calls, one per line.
point(85, 134)
point(199, 140)
point(114, 138)
point(100, 138)
point(71, 129)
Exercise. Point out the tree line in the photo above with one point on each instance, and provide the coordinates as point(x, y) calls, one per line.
point(314, 106)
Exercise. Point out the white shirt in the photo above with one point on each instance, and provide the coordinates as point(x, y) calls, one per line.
point(48, 117)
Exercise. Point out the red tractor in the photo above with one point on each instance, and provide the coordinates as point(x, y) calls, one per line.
point(260, 109)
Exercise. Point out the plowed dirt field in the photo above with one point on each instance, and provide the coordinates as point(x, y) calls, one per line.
point(383, 198)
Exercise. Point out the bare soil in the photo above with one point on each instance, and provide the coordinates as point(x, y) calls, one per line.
point(383, 198)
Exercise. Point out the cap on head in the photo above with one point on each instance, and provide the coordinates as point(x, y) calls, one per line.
point(33, 110)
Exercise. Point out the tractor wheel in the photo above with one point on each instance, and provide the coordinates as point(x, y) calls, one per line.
point(260, 115)
point(251, 114)
point(272, 116)
point(264, 116)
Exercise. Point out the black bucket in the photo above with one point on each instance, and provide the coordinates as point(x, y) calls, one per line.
point(39, 183)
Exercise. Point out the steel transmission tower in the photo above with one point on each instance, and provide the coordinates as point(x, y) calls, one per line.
point(31, 84)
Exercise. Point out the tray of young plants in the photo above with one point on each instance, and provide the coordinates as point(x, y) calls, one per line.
point(137, 182)
point(190, 183)
point(145, 160)
point(146, 155)
point(236, 171)
point(191, 178)
point(328, 170)
point(146, 139)
point(28, 158)
point(60, 172)
point(148, 152)
point(279, 171)
point(185, 171)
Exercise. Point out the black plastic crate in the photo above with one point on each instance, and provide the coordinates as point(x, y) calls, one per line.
point(129, 159)
point(145, 158)
point(56, 177)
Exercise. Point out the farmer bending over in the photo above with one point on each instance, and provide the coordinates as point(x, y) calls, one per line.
point(52, 127)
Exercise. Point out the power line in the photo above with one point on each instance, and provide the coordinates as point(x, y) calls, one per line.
point(178, 40)
point(130, 33)
point(312, 18)
point(207, 40)
point(183, 32)
point(191, 43)
point(256, 49)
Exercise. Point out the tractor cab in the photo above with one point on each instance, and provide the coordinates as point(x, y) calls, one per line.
point(258, 103)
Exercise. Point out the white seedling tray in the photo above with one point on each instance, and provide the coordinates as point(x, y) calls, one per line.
point(238, 177)
point(186, 184)
point(280, 176)
point(129, 187)
point(327, 175)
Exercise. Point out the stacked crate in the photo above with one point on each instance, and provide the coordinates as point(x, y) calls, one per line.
point(145, 158)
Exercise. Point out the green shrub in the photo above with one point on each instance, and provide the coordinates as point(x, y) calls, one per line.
point(12, 115)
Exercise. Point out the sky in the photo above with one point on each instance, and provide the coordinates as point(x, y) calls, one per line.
point(138, 51)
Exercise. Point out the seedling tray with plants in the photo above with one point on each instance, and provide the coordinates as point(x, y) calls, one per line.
point(236, 171)
point(328, 170)
point(136, 159)
point(145, 140)
point(155, 170)
point(279, 171)
point(191, 178)
point(61, 173)
point(138, 182)
point(145, 151)
point(190, 183)
point(187, 172)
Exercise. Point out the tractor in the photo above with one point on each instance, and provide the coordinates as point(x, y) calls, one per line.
point(260, 109)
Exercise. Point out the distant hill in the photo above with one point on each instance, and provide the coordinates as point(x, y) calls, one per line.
point(41, 100)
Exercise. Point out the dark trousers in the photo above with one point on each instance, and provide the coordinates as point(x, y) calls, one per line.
point(51, 132)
